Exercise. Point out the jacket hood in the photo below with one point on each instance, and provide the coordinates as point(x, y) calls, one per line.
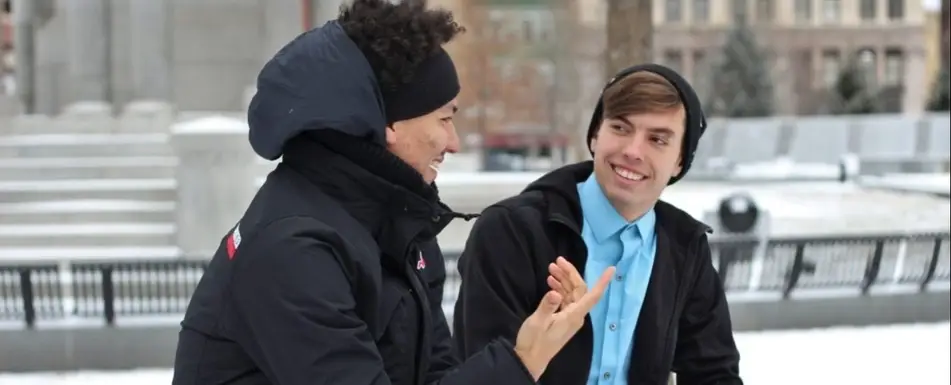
point(318, 81)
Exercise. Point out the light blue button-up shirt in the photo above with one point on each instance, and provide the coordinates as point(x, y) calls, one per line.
point(612, 241)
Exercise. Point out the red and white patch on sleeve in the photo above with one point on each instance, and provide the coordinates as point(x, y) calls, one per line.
point(233, 241)
point(421, 262)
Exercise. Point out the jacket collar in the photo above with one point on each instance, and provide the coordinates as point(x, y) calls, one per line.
point(374, 186)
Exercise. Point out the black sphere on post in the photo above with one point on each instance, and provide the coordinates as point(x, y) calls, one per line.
point(738, 213)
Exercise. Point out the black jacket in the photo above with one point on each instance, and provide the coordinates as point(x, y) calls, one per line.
point(332, 275)
point(684, 325)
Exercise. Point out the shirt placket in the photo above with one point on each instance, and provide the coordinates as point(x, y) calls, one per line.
point(632, 245)
point(613, 321)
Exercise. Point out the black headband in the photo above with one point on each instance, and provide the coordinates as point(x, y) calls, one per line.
point(433, 85)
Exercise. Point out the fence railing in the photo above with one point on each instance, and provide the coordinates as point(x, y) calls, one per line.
point(67, 291)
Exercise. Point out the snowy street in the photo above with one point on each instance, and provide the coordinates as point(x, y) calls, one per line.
point(884, 355)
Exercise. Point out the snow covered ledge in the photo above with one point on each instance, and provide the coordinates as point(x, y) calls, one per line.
point(215, 180)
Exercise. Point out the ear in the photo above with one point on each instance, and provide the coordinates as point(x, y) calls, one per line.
point(680, 166)
point(391, 135)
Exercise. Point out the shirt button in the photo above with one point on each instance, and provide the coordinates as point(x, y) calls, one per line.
point(607, 375)
point(619, 277)
point(613, 327)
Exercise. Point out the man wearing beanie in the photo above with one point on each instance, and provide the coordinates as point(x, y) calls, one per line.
point(332, 275)
point(665, 311)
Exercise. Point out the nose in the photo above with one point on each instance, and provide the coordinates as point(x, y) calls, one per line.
point(453, 145)
point(636, 146)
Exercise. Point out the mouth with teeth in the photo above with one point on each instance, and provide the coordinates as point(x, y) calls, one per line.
point(434, 165)
point(628, 175)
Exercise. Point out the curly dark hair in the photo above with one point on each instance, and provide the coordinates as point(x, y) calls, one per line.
point(397, 37)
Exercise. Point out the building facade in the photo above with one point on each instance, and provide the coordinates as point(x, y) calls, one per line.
point(807, 41)
point(946, 33)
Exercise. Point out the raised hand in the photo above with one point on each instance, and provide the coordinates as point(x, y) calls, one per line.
point(547, 330)
point(566, 280)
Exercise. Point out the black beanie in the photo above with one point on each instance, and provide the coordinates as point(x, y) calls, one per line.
point(433, 84)
point(696, 124)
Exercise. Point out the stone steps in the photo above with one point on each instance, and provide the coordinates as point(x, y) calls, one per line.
point(139, 167)
point(54, 254)
point(153, 189)
point(87, 211)
point(87, 234)
point(84, 145)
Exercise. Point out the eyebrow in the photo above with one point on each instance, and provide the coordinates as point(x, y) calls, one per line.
point(655, 130)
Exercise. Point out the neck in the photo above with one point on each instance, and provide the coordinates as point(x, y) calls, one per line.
point(631, 212)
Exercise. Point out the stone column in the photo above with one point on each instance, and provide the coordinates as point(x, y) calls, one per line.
point(149, 49)
point(216, 177)
point(88, 34)
point(282, 23)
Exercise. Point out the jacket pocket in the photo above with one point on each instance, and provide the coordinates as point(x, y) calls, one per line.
point(397, 345)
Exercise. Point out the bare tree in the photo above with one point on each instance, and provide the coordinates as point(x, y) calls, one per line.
point(630, 30)
point(563, 111)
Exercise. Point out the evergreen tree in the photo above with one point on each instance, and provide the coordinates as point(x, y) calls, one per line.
point(741, 83)
point(851, 93)
point(940, 99)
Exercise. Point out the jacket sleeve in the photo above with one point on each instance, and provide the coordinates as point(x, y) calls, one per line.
point(299, 323)
point(706, 352)
point(498, 289)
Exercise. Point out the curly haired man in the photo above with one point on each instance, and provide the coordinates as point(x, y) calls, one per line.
point(332, 276)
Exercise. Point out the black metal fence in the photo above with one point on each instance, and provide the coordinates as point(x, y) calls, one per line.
point(104, 292)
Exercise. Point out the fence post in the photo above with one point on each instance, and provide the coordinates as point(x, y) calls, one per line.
point(26, 290)
point(874, 265)
point(793, 278)
point(932, 264)
point(108, 295)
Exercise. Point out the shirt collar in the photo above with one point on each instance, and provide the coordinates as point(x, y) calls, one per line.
point(603, 218)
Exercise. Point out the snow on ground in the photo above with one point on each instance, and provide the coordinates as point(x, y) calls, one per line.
point(889, 355)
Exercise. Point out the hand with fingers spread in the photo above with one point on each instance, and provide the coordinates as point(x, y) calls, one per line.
point(547, 330)
point(567, 281)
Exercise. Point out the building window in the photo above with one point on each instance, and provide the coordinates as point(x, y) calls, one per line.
point(674, 60)
point(868, 64)
point(673, 12)
point(894, 66)
point(867, 9)
point(739, 11)
point(528, 30)
point(831, 11)
point(896, 9)
point(701, 10)
point(831, 65)
point(803, 10)
point(764, 10)
point(701, 74)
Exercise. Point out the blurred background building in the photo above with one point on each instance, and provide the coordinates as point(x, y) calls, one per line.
point(531, 68)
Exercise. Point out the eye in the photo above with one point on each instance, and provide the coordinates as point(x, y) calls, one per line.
point(446, 120)
point(620, 128)
point(659, 140)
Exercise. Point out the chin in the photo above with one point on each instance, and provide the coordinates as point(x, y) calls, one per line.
point(429, 176)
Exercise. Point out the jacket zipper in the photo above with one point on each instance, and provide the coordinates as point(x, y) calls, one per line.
point(425, 322)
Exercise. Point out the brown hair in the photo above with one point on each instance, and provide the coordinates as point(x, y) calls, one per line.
point(638, 93)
